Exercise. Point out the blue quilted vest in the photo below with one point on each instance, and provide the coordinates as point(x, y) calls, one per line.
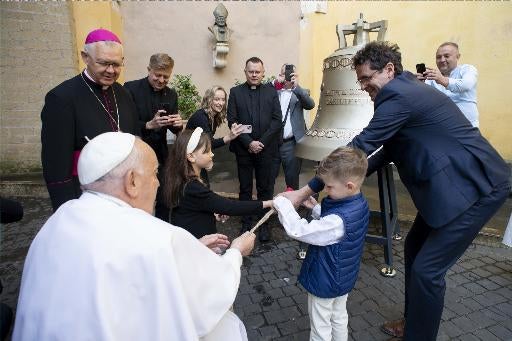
point(331, 271)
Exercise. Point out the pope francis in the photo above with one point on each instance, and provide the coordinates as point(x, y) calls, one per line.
point(103, 268)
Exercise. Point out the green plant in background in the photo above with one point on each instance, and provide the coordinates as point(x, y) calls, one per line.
point(188, 96)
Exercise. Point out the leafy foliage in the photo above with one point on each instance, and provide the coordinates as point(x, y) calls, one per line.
point(188, 96)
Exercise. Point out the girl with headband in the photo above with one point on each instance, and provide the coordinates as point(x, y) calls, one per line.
point(193, 204)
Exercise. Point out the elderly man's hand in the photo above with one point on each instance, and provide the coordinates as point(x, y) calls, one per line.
point(244, 243)
point(217, 242)
point(435, 75)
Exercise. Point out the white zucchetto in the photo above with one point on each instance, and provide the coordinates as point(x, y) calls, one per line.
point(102, 154)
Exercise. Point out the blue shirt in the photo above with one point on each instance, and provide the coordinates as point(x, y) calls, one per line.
point(462, 90)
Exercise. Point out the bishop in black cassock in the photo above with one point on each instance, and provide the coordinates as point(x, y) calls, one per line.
point(81, 108)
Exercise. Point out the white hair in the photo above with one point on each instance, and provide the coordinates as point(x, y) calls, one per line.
point(90, 48)
point(110, 182)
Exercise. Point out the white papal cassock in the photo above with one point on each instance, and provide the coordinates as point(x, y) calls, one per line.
point(102, 270)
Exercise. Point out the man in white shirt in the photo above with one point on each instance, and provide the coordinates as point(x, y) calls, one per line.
point(456, 81)
point(294, 100)
point(103, 268)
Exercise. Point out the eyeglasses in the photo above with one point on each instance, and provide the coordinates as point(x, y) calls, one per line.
point(105, 65)
point(363, 80)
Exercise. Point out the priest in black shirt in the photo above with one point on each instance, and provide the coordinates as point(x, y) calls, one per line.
point(157, 108)
point(80, 108)
point(258, 105)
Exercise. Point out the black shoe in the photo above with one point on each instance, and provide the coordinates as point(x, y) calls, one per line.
point(264, 234)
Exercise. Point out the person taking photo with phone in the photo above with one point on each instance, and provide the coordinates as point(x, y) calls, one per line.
point(258, 105)
point(294, 100)
point(456, 81)
point(210, 117)
point(157, 108)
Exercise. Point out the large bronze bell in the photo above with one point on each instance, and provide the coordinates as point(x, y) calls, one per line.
point(344, 109)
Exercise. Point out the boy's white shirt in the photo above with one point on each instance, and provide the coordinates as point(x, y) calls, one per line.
point(321, 231)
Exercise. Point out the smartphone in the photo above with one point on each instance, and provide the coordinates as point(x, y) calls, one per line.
point(420, 68)
point(288, 70)
point(165, 106)
point(246, 129)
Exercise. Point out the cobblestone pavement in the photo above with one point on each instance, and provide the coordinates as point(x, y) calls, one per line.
point(273, 306)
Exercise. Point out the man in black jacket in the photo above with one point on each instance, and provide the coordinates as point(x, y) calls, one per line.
point(157, 108)
point(81, 108)
point(255, 104)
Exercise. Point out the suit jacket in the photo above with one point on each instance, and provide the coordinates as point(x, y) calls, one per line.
point(299, 101)
point(140, 91)
point(443, 161)
point(265, 126)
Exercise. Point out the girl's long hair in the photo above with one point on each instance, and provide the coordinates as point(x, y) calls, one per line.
point(206, 104)
point(178, 171)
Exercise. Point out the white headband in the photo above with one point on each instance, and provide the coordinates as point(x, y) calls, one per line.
point(194, 140)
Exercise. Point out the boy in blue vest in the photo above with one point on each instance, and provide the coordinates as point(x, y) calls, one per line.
point(336, 238)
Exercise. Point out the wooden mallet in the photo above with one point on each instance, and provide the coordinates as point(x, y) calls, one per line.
point(262, 220)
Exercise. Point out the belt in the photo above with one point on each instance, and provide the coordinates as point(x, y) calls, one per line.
point(289, 139)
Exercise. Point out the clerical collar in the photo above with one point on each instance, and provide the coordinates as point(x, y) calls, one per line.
point(253, 87)
point(93, 82)
point(151, 86)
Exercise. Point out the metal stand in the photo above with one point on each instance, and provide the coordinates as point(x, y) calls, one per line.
point(389, 216)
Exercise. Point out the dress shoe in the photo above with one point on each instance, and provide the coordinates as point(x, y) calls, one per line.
point(264, 234)
point(394, 328)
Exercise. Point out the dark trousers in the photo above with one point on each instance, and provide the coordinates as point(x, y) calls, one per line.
point(429, 253)
point(291, 164)
point(259, 165)
point(161, 209)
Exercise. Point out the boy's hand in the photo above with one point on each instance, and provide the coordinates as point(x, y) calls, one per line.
point(310, 203)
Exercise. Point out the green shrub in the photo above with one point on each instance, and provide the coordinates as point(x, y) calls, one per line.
point(188, 96)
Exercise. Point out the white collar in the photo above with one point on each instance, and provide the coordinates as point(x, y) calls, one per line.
point(108, 197)
point(92, 80)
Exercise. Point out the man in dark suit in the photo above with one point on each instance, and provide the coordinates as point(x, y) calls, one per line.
point(456, 179)
point(157, 107)
point(255, 104)
point(293, 99)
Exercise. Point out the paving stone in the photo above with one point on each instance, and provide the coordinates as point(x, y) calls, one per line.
point(505, 307)
point(488, 284)
point(254, 321)
point(485, 335)
point(471, 304)
point(251, 309)
point(270, 276)
point(468, 337)
point(502, 280)
point(464, 324)
point(506, 266)
point(291, 290)
point(480, 320)
point(285, 302)
point(474, 288)
point(285, 314)
point(489, 298)
point(501, 331)
point(374, 318)
point(450, 329)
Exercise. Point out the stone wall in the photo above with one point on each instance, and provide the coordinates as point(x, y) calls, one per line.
point(37, 53)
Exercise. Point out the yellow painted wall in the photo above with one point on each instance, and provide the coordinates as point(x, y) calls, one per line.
point(483, 31)
point(90, 15)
